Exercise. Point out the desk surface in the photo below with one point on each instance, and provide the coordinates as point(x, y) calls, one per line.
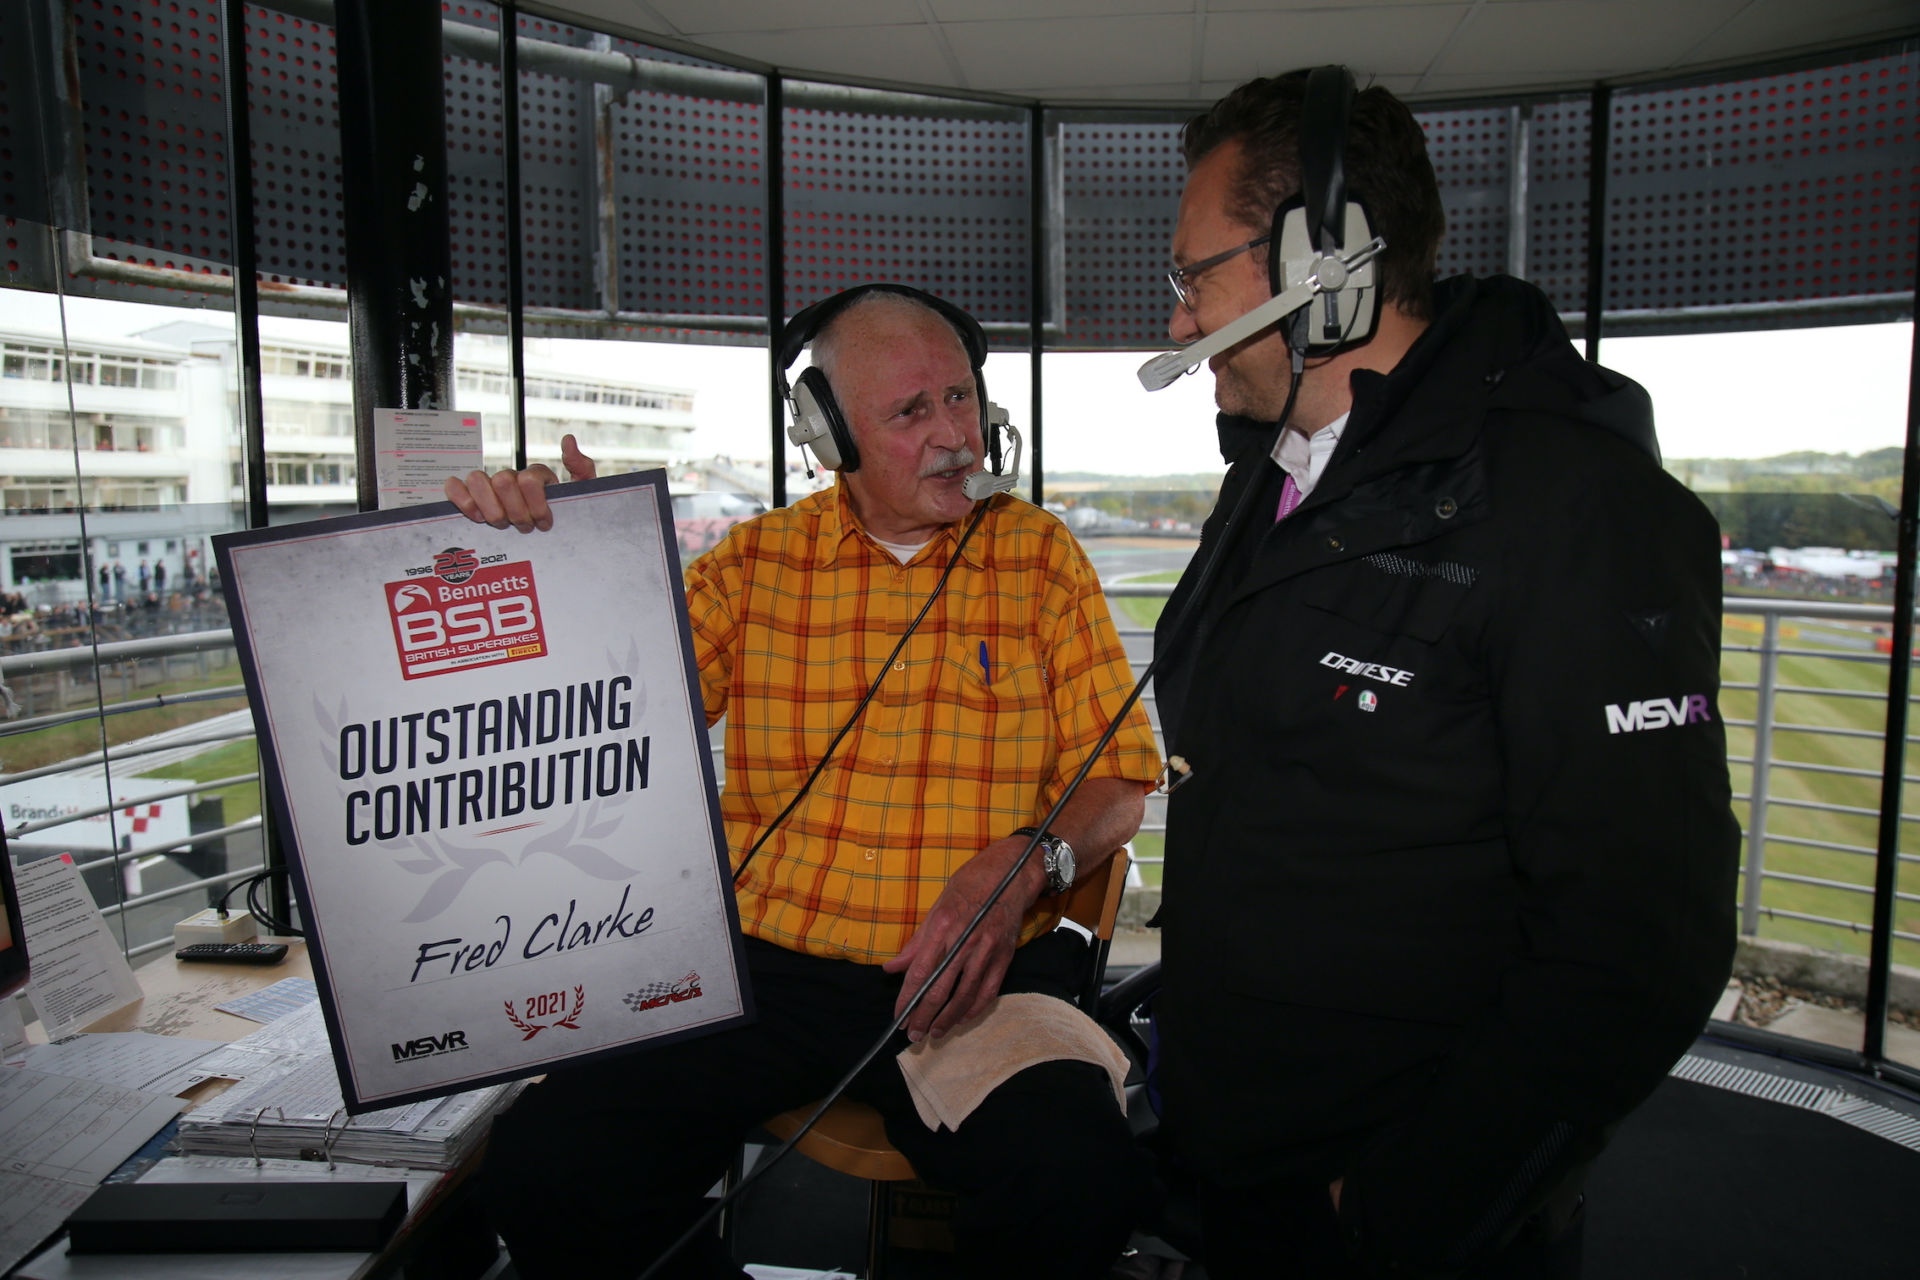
point(178, 1000)
point(179, 995)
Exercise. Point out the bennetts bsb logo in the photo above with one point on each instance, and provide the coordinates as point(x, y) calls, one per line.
point(464, 610)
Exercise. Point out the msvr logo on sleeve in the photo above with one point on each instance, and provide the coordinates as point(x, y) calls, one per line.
point(1657, 713)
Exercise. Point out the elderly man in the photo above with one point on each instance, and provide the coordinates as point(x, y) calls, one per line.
point(856, 895)
point(1450, 882)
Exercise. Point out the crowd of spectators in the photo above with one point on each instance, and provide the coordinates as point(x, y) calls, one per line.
point(190, 604)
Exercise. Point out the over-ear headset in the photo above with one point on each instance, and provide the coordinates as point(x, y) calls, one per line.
point(1320, 221)
point(818, 423)
point(1320, 257)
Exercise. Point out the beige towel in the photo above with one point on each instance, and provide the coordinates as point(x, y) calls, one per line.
point(952, 1075)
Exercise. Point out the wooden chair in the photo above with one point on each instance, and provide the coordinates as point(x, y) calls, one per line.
point(852, 1139)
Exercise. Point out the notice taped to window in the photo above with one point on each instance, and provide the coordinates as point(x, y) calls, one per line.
point(489, 753)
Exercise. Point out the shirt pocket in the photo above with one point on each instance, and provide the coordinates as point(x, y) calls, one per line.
point(992, 714)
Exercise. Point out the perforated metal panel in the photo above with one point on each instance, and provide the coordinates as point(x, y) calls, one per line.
point(941, 204)
point(1785, 189)
point(153, 84)
point(1119, 193)
point(1120, 189)
point(1472, 154)
point(476, 166)
point(556, 179)
point(690, 200)
point(1556, 257)
point(23, 188)
point(1781, 188)
point(293, 117)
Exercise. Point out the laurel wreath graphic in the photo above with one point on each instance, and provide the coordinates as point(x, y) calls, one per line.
point(533, 1029)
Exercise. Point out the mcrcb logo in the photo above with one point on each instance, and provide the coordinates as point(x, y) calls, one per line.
point(1657, 713)
point(430, 1046)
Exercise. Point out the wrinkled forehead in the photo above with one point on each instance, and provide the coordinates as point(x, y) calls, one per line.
point(886, 357)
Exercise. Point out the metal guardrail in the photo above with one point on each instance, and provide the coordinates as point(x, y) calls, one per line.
point(1764, 805)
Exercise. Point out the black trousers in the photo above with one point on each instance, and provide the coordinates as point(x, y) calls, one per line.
point(1287, 1229)
point(598, 1169)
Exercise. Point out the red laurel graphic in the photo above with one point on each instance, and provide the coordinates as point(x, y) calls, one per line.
point(542, 1006)
point(475, 617)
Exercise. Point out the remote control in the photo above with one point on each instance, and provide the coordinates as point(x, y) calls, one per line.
point(234, 952)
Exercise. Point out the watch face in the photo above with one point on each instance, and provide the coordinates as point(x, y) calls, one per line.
point(1059, 865)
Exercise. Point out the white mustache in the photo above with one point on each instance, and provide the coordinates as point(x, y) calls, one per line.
point(961, 457)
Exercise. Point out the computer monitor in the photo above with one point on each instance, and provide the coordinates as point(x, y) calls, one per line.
point(13, 936)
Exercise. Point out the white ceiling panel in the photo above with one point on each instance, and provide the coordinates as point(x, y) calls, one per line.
point(1767, 26)
point(1402, 41)
point(1118, 50)
point(1150, 93)
point(952, 11)
point(1073, 51)
point(908, 54)
point(1581, 39)
point(1329, 10)
point(698, 18)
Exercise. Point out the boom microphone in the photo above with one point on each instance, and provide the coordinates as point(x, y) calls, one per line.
point(984, 484)
point(1332, 274)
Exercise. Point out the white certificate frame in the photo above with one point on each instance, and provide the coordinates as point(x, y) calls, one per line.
point(463, 932)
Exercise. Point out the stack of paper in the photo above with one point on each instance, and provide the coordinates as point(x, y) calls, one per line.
point(289, 1105)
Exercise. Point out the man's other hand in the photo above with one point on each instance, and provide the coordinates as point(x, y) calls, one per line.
point(973, 979)
point(517, 498)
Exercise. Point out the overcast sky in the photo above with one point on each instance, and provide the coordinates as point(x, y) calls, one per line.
point(1841, 389)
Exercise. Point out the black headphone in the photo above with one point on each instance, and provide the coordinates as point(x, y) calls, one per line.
point(1322, 220)
point(818, 423)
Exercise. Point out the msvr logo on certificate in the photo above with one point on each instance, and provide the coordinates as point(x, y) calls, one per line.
point(471, 615)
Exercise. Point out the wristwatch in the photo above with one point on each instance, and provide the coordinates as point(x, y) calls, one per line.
point(1056, 859)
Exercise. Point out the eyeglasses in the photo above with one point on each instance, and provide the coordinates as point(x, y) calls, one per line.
point(1181, 277)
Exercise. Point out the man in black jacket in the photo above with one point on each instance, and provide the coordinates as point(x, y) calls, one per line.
point(1450, 884)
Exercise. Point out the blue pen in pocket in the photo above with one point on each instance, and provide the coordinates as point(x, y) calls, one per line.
point(986, 667)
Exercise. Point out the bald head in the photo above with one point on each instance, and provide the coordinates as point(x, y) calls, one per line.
point(873, 312)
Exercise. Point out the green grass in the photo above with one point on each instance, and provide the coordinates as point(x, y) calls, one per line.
point(239, 801)
point(1787, 785)
point(1144, 611)
point(20, 752)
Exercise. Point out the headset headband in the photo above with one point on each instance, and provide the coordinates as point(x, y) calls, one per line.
point(1323, 155)
point(808, 323)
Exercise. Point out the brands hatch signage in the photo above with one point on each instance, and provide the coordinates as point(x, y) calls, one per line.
point(488, 756)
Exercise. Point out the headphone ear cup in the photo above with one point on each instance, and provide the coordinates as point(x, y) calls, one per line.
point(817, 423)
point(989, 429)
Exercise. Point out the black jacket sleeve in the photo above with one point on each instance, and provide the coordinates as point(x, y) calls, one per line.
point(1602, 659)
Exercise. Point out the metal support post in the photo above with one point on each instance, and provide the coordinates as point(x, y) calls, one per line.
point(1762, 776)
point(1600, 118)
point(1886, 868)
point(393, 135)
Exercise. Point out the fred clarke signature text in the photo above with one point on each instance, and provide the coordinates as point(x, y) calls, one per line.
point(553, 932)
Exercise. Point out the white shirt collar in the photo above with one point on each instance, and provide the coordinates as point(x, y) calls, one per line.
point(1305, 457)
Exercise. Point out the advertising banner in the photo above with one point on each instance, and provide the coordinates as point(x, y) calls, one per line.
point(487, 753)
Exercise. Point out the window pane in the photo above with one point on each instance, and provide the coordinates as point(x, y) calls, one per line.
point(1803, 472)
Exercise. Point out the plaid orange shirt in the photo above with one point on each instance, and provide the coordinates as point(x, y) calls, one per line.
point(976, 730)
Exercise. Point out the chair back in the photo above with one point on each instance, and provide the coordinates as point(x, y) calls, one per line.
point(1094, 904)
point(1094, 901)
